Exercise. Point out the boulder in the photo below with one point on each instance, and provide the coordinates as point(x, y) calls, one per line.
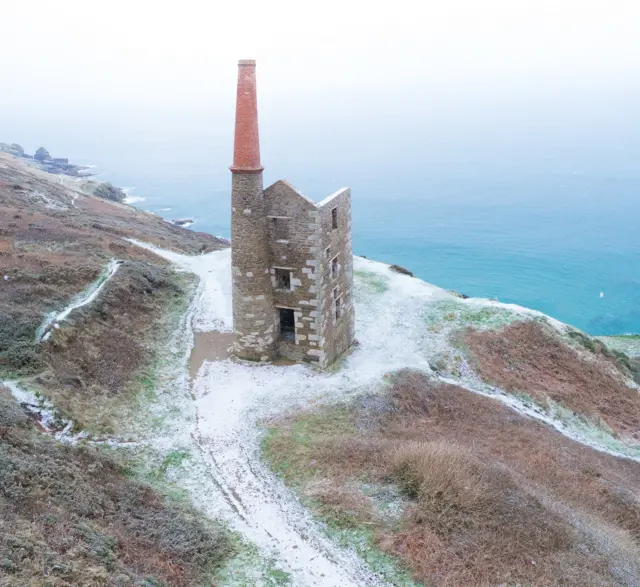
point(401, 270)
point(42, 155)
point(184, 222)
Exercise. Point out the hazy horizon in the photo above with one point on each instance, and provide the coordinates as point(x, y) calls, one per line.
point(130, 54)
point(492, 149)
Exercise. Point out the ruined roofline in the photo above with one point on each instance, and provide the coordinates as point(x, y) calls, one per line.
point(317, 205)
point(334, 195)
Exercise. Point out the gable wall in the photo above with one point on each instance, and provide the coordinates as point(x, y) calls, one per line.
point(293, 242)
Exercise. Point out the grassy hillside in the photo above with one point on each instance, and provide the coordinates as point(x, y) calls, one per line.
point(55, 244)
point(462, 490)
point(74, 516)
point(55, 241)
point(77, 515)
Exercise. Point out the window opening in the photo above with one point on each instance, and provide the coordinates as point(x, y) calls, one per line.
point(334, 218)
point(287, 324)
point(338, 308)
point(334, 267)
point(283, 279)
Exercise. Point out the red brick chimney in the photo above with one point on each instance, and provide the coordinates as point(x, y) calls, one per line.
point(246, 146)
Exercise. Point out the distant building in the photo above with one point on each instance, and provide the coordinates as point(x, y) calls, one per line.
point(292, 261)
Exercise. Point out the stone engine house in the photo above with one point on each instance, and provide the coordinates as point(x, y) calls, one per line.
point(291, 258)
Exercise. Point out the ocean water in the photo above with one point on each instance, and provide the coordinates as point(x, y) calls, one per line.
point(532, 203)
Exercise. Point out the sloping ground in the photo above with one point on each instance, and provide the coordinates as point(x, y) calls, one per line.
point(83, 316)
point(98, 362)
point(72, 516)
point(530, 358)
point(626, 343)
point(401, 322)
point(464, 490)
point(54, 242)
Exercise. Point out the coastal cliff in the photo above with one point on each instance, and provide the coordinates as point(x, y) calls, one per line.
point(81, 314)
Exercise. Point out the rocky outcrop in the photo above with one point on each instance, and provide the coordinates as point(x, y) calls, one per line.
point(42, 155)
point(402, 270)
point(107, 191)
point(184, 222)
point(43, 160)
point(13, 149)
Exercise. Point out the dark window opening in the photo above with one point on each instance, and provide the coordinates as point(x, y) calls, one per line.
point(338, 308)
point(334, 267)
point(283, 279)
point(287, 324)
point(334, 218)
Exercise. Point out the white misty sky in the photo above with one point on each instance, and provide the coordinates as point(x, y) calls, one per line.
point(136, 52)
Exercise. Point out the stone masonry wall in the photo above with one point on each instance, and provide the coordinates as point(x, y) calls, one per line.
point(303, 242)
point(337, 334)
point(293, 237)
point(253, 316)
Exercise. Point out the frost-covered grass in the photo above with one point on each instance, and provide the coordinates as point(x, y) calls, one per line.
point(457, 313)
point(86, 515)
point(369, 282)
point(249, 567)
point(628, 343)
point(291, 451)
point(598, 433)
point(217, 413)
point(363, 542)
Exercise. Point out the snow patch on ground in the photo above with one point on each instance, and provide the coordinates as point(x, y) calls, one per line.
point(53, 319)
point(43, 411)
point(226, 401)
point(46, 201)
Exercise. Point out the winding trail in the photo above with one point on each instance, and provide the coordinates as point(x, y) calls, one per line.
point(230, 398)
point(91, 293)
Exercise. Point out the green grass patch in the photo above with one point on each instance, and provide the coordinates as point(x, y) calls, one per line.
point(461, 314)
point(174, 459)
point(293, 449)
point(249, 567)
point(361, 540)
point(368, 282)
point(289, 451)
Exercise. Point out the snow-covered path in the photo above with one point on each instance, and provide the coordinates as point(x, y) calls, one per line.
point(52, 320)
point(230, 397)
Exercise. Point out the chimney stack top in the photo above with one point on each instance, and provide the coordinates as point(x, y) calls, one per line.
point(246, 145)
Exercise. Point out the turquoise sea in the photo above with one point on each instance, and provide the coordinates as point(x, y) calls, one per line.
point(531, 202)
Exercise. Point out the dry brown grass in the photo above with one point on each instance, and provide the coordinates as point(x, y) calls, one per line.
point(71, 516)
point(102, 358)
point(495, 498)
point(529, 358)
point(51, 254)
point(489, 515)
